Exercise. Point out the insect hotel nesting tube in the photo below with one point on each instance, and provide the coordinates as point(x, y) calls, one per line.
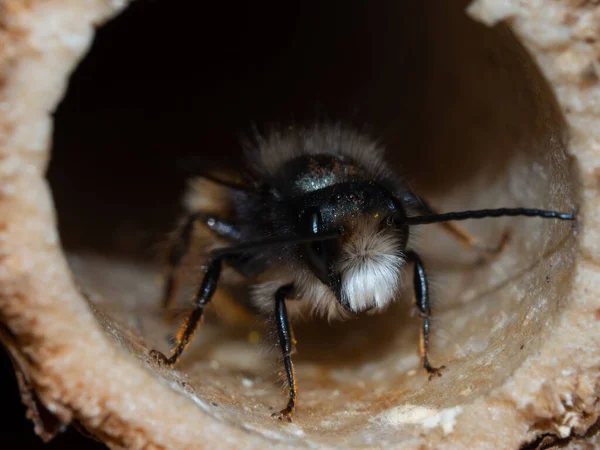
point(486, 104)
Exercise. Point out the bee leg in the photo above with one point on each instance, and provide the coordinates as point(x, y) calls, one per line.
point(181, 247)
point(186, 332)
point(459, 234)
point(285, 337)
point(422, 295)
point(470, 242)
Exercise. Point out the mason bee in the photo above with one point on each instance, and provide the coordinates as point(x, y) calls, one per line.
point(322, 227)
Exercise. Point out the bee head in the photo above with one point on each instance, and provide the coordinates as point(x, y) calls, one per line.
point(361, 268)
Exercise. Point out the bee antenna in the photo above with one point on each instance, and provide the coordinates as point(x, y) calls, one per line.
point(272, 241)
point(485, 213)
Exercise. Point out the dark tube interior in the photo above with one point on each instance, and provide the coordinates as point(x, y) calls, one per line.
point(169, 89)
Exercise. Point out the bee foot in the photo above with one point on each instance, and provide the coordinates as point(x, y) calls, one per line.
point(487, 253)
point(283, 415)
point(160, 358)
point(433, 371)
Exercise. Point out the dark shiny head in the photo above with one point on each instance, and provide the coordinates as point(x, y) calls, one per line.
point(362, 267)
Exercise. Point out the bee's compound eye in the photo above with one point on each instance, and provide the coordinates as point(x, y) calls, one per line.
point(315, 222)
point(316, 226)
point(317, 250)
point(319, 254)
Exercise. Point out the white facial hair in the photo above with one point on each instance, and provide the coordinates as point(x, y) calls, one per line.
point(370, 265)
